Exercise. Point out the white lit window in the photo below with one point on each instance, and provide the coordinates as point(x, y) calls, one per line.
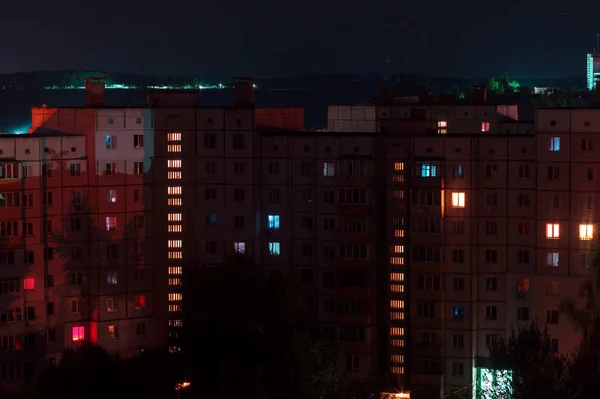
point(111, 195)
point(174, 163)
point(552, 230)
point(111, 223)
point(174, 217)
point(112, 277)
point(458, 200)
point(442, 127)
point(552, 259)
point(586, 232)
point(174, 243)
point(328, 169)
point(173, 136)
point(485, 126)
point(174, 190)
point(239, 247)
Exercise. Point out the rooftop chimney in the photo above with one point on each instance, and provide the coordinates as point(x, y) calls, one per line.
point(95, 92)
point(480, 95)
point(244, 93)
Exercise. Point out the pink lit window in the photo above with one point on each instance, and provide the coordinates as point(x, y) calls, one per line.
point(485, 126)
point(29, 284)
point(140, 301)
point(111, 223)
point(78, 333)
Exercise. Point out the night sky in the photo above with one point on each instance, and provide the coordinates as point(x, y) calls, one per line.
point(269, 38)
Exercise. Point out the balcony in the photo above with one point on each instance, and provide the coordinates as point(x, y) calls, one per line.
point(354, 209)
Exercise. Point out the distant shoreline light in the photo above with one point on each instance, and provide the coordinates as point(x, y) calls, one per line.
point(158, 87)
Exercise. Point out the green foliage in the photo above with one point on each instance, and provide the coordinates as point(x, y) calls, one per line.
point(526, 357)
point(503, 85)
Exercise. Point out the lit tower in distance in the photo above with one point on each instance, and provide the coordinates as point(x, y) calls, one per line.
point(593, 65)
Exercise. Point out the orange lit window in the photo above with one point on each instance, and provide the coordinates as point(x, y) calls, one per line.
point(552, 230)
point(78, 333)
point(398, 233)
point(174, 228)
point(398, 166)
point(174, 281)
point(458, 200)
point(399, 249)
point(523, 285)
point(174, 190)
point(586, 232)
point(140, 301)
point(174, 243)
point(174, 217)
point(174, 175)
point(29, 284)
point(175, 270)
point(396, 260)
point(175, 307)
point(175, 296)
point(175, 255)
point(174, 137)
point(174, 202)
point(396, 304)
point(485, 126)
point(396, 276)
point(397, 288)
point(397, 342)
point(174, 148)
point(398, 194)
point(397, 370)
point(174, 163)
point(397, 316)
point(396, 331)
point(399, 359)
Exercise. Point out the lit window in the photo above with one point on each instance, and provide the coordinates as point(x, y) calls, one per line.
point(111, 141)
point(77, 333)
point(113, 331)
point(396, 276)
point(552, 230)
point(140, 301)
point(399, 249)
point(396, 331)
point(174, 281)
point(586, 232)
point(173, 175)
point(175, 255)
point(174, 228)
point(174, 217)
point(173, 136)
point(399, 233)
point(175, 270)
point(174, 190)
point(273, 221)
point(174, 148)
point(174, 243)
point(396, 304)
point(239, 247)
point(442, 127)
point(552, 259)
point(29, 284)
point(274, 248)
point(554, 144)
point(174, 201)
point(429, 170)
point(398, 166)
point(174, 163)
point(175, 296)
point(112, 277)
point(111, 223)
point(111, 195)
point(398, 288)
point(396, 260)
point(458, 200)
point(328, 169)
point(485, 126)
point(112, 305)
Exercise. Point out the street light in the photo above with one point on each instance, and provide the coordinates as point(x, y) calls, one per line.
point(181, 386)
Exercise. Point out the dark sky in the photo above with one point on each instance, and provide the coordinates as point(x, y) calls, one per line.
point(266, 38)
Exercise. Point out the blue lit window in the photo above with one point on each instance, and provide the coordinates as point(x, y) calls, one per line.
point(138, 121)
point(239, 248)
point(111, 141)
point(111, 121)
point(273, 221)
point(554, 144)
point(274, 248)
point(429, 170)
point(458, 313)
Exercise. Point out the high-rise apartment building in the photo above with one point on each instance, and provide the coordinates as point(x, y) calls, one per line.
point(592, 70)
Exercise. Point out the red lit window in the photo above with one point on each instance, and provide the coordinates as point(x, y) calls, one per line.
point(29, 284)
point(140, 301)
point(78, 333)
